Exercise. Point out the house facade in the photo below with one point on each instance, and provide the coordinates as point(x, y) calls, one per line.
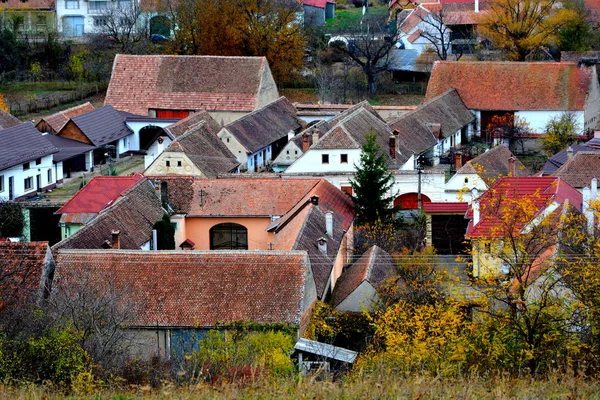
point(26, 162)
point(30, 18)
point(535, 92)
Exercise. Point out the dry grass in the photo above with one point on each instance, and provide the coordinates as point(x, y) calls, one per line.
point(419, 387)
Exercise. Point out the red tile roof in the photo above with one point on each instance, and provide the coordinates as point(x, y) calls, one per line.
point(493, 164)
point(58, 120)
point(494, 85)
point(99, 193)
point(30, 4)
point(580, 169)
point(445, 207)
point(196, 288)
point(22, 269)
point(536, 192)
point(140, 83)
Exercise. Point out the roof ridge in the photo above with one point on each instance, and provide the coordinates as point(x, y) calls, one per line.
point(254, 112)
point(369, 270)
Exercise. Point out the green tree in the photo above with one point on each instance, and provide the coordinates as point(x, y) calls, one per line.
point(371, 186)
point(12, 220)
point(560, 132)
point(165, 233)
point(577, 34)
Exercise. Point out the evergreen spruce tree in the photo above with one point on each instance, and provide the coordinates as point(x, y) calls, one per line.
point(371, 185)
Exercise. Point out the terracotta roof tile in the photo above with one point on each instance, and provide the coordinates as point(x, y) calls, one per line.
point(99, 193)
point(540, 191)
point(493, 85)
point(22, 272)
point(133, 214)
point(374, 266)
point(183, 125)
point(8, 120)
point(30, 4)
point(140, 83)
point(448, 207)
point(493, 164)
point(197, 288)
point(56, 121)
point(580, 169)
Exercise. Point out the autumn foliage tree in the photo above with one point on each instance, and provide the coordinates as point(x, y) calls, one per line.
point(560, 133)
point(266, 28)
point(521, 27)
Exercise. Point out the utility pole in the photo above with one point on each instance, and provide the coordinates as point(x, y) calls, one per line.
point(419, 172)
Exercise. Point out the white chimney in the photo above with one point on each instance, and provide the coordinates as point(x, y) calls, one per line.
point(476, 6)
point(329, 224)
point(154, 240)
point(315, 136)
point(475, 212)
point(585, 209)
point(569, 153)
point(322, 243)
point(594, 189)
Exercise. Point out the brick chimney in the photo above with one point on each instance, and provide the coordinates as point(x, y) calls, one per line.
point(305, 142)
point(116, 241)
point(392, 147)
point(511, 166)
point(457, 161)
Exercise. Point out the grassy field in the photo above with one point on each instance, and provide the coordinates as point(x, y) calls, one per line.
point(350, 18)
point(388, 387)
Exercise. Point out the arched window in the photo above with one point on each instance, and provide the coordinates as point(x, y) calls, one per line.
point(409, 201)
point(228, 236)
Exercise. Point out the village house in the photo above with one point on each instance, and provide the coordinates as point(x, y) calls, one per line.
point(258, 137)
point(481, 172)
point(435, 128)
point(535, 92)
point(580, 169)
point(55, 122)
point(25, 274)
point(198, 152)
point(445, 226)
point(559, 159)
point(89, 201)
point(317, 11)
point(175, 297)
point(33, 19)
point(260, 213)
point(511, 207)
point(176, 86)
point(124, 221)
point(26, 162)
point(357, 288)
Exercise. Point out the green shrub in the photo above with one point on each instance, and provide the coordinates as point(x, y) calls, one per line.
point(55, 355)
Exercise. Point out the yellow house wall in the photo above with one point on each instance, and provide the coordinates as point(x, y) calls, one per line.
point(197, 230)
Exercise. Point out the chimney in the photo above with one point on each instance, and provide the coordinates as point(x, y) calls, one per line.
point(476, 6)
point(457, 161)
point(116, 242)
point(475, 205)
point(329, 224)
point(393, 147)
point(154, 239)
point(314, 200)
point(315, 136)
point(594, 189)
point(305, 143)
point(585, 209)
point(511, 166)
point(569, 153)
point(322, 244)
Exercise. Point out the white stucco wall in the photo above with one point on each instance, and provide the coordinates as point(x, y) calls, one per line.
point(18, 174)
point(137, 126)
point(235, 147)
point(155, 150)
point(311, 161)
point(459, 187)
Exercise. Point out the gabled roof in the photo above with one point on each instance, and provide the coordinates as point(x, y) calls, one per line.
point(55, 122)
point(538, 192)
point(133, 214)
point(374, 266)
point(251, 197)
point(415, 130)
point(317, 3)
point(445, 207)
point(67, 148)
point(504, 85)
point(559, 159)
point(99, 193)
point(205, 150)
point(266, 125)
point(493, 164)
point(8, 120)
point(183, 125)
point(22, 143)
point(196, 288)
point(101, 126)
point(580, 169)
point(140, 83)
point(22, 272)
